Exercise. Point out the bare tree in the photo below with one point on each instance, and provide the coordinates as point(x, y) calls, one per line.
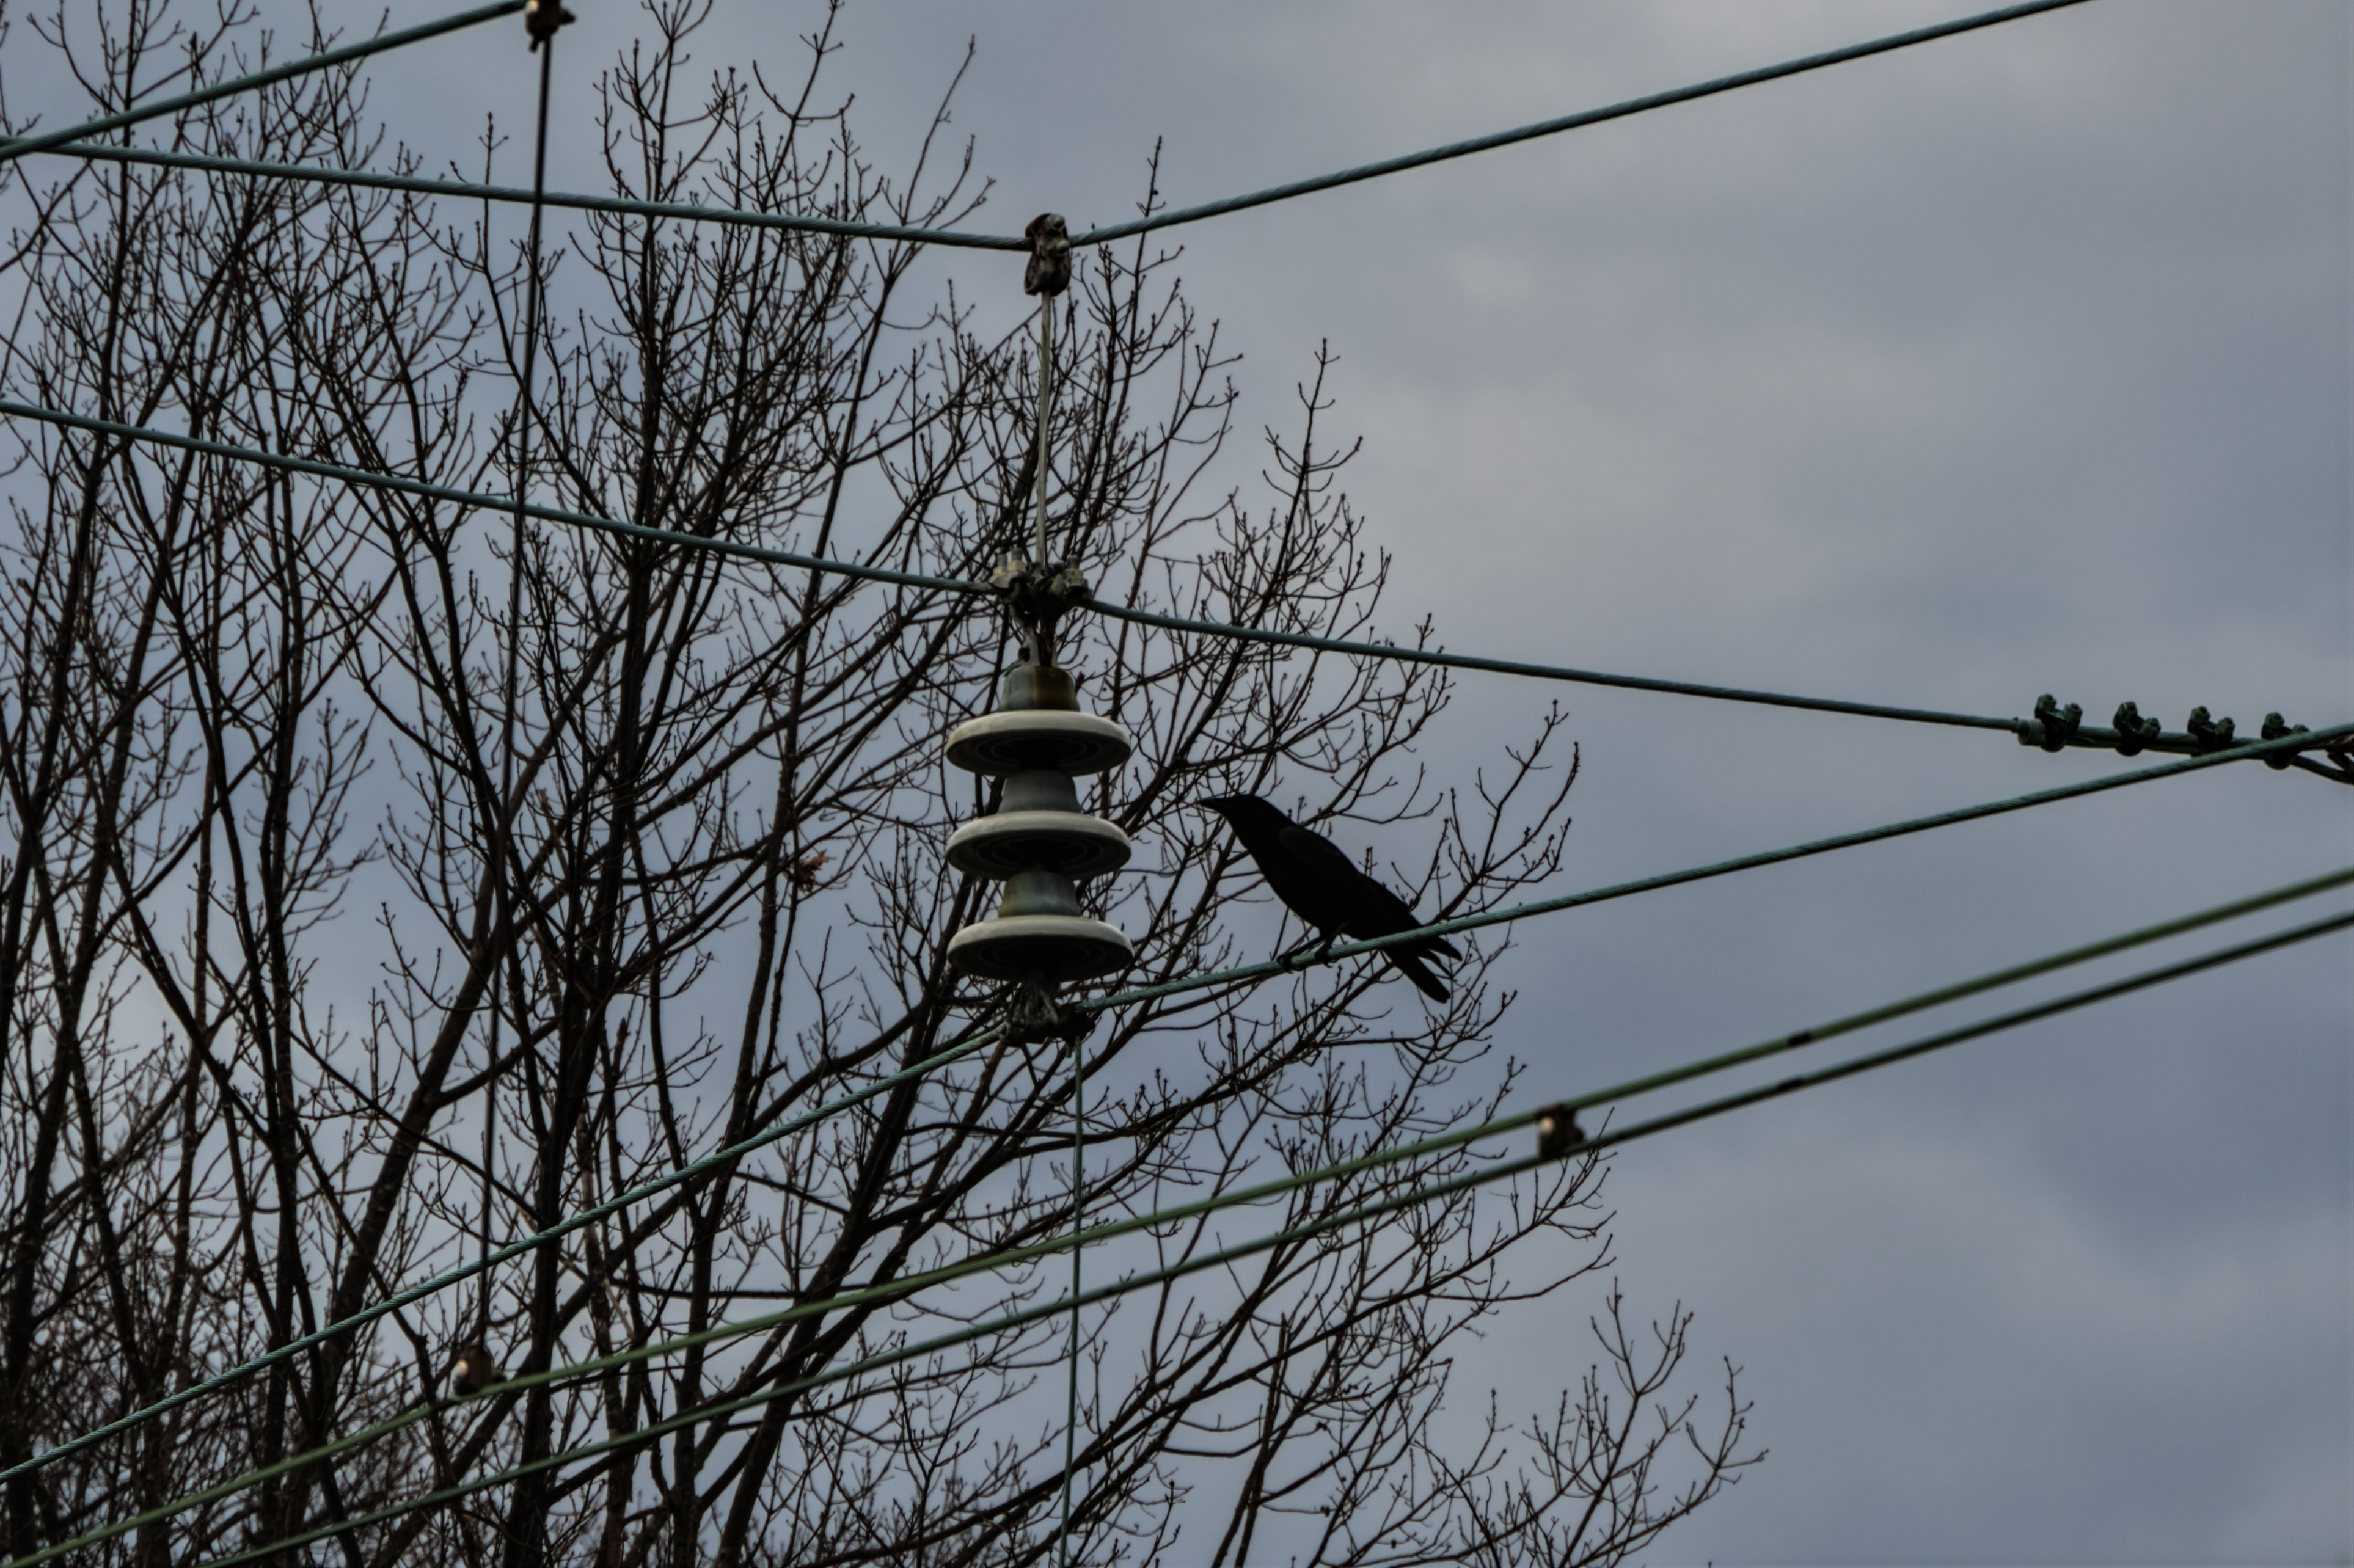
point(389, 878)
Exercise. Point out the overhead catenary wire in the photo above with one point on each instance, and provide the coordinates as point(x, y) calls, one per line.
point(1436, 1144)
point(1281, 193)
point(1150, 222)
point(2169, 742)
point(1370, 650)
point(1236, 975)
point(1459, 923)
point(15, 147)
point(1309, 1230)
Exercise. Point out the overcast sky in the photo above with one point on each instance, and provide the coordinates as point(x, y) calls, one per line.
point(2012, 363)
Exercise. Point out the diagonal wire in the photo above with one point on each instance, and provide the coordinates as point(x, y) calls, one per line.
point(905, 232)
point(1571, 121)
point(1309, 1230)
point(15, 147)
point(1126, 998)
point(415, 1293)
point(1012, 1257)
point(364, 479)
point(1727, 867)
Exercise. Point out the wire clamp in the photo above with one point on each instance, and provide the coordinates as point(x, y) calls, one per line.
point(2208, 733)
point(541, 19)
point(1049, 271)
point(2133, 732)
point(2052, 727)
point(1557, 1130)
point(2278, 728)
point(1037, 596)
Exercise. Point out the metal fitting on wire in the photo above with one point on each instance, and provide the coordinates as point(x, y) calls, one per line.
point(2210, 734)
point(1049, 271)
point(2276, 728)
point(2054, 726)
point(2133, 732)
point(542, 18)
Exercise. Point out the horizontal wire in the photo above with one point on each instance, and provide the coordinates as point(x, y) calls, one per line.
point(1014, 1258)
point(2167, 742)
point(466, 190)
point(1310, 1229)
point(476, 499)
point(691, 212)
point(1727, 867)
point(15, 147)
point(1225, 977)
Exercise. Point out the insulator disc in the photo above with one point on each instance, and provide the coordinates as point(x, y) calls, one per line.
point(1002, 743)
point(1069, 842)
point(1051, 948)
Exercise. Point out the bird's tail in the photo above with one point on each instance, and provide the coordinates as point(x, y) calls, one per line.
point(1408, 962)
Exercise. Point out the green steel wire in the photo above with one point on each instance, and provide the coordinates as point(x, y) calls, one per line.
point(1572, 121)
point(339, 473)
point(500, 503)
point(1440, 1143)
point(514, 1249)
point(466, 190)
point(1153, 993)
point(12, 148)
point(1146, 224)
point(2167, 742)
point(1310, 1229)
point(1727, 867)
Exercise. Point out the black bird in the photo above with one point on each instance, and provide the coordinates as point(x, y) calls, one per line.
point(1319, 883)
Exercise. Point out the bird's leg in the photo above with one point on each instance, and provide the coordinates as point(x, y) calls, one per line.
point(1321, 942)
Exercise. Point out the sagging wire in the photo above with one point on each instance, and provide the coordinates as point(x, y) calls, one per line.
point(1559, 1138)
point(1128, 996)
point(2029, 731)
point(65, 143)
point(15, 147)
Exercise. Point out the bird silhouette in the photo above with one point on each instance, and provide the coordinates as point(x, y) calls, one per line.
point(1318, 881)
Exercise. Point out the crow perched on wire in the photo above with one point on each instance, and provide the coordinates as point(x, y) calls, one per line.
point(1319, 883)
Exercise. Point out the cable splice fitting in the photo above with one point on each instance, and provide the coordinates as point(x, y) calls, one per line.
point(2052, 727)
point(1049, 271)
point(1039, 594)
point(1557, 1130)
point(2210, 734)
point(2275, 728)
point(542, 18)
point(2133, 732)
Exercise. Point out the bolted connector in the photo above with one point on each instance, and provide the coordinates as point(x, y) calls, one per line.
point(2133, 732)
point(1557, 1131)
point(2278, 728)
point(2052, 727)
point(1049, 270)
point(2210, 734)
